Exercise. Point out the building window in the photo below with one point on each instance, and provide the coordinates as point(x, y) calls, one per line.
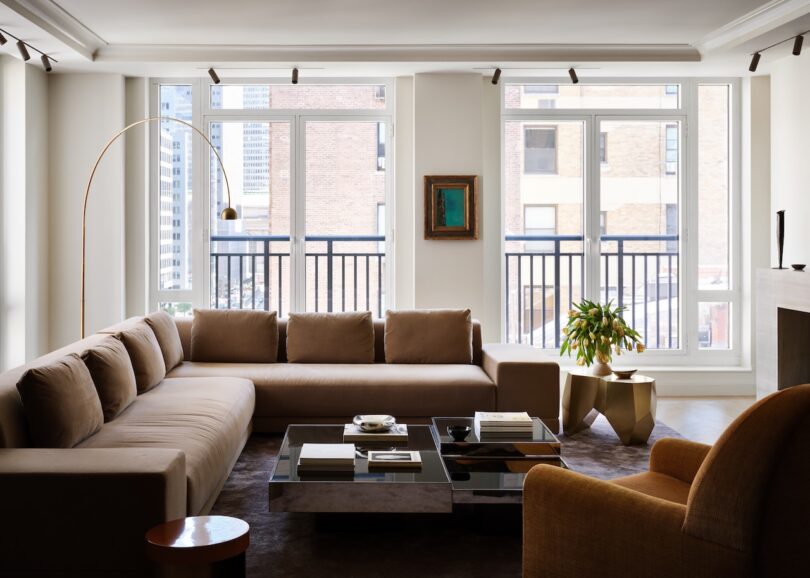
point(381, 145)
point(381, 226)
point(603, 222)
point(603, 147)
point(672, 149)
point(540, 150)
point(672, 226)
point(540, 220)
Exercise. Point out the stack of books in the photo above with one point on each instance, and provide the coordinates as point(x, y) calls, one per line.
point(503, 424)
point(326, 458)
point(396, 435)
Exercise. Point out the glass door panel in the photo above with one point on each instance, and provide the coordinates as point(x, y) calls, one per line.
point(344, 164)
point(544, 200)
point(250, 257)
point(639, 188)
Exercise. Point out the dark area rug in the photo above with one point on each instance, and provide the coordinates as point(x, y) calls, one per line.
point(471, 542)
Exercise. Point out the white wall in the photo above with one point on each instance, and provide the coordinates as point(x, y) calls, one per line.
point(23, 212)
point(85, 111)
point(453, 117)
point(404, 194)
point(790, 169)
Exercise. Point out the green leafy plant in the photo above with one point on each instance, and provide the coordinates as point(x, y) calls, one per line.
point(596, 331)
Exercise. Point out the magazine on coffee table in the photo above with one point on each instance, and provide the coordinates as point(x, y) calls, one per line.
point(394, 460)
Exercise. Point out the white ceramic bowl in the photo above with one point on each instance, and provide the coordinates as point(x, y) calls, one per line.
point(372, 423)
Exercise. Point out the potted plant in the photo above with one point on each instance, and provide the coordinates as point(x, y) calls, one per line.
point(595, 332)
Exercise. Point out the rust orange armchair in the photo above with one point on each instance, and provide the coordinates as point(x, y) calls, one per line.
point(738, 508)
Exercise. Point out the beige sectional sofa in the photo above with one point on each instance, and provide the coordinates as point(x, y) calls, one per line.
point(168, 454)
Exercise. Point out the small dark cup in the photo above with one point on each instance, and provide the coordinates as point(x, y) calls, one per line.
point(459, 432)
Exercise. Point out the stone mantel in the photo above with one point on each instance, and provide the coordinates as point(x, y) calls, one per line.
point(776, 289)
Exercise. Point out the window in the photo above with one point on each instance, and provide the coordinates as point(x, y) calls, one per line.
point(540, 150)
point(539, 220)
point(678, 289)
point(380, 146)
point(671, 149)
point(381, 226)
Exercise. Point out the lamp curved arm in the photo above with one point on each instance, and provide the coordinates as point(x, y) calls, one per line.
point(227, 214)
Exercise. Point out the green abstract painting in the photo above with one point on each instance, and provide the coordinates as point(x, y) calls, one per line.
point(450, 207)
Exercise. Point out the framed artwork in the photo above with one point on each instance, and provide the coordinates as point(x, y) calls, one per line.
point(451, 207)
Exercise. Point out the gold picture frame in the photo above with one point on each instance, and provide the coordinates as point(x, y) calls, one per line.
point(451, 207)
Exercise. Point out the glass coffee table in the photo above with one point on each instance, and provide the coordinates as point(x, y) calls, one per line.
point(492, 473)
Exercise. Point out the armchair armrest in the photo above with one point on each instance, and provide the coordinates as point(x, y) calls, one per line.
point(526, 380)
point(680, 459)
point(86, 509)
point(576, 526)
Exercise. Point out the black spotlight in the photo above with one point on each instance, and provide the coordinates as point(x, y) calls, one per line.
point(295, 76)
point(497, 76)
point(754, 62)
point(214, 76)
point(797, 45)
point(573, 74)
point(2, 39)
point(46, 63)
point(23, 50)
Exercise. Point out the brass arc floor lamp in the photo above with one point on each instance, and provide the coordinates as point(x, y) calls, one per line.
point(228, 213)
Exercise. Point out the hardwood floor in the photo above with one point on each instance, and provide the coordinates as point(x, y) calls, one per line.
point(701, 419)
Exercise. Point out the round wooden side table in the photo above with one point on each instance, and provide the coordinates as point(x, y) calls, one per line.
point(628, 404)
point(200, 546)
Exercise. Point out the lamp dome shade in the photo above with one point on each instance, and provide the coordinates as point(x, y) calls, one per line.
point(229, 214)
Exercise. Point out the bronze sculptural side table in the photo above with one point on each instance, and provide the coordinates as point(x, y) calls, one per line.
point(628, 404)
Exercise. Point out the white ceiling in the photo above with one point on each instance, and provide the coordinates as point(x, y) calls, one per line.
point(319, 22)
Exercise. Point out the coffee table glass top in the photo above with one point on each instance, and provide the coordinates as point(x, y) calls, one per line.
point(420, 438)
point(542, 442)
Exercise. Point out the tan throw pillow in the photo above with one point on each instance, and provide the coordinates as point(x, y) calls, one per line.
point(428, 336)
point(60, 403)
point(145, 355)
point(330, 338)
point(112, 375)
point(168, 338)
point(234, 336)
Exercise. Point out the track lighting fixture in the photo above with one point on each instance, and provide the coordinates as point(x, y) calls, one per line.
point(2, 39)
point(573, 74)
point(23, 50)
point(754, 62)
point(497, 76)
point(295, 76)
point(214, 76)
point(46, 63)
point(798, 40)
point(797, 45)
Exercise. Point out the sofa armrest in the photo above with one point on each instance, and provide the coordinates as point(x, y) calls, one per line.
point(680, 459)
point(576, 526)
point(526, 380)
point(86, 510)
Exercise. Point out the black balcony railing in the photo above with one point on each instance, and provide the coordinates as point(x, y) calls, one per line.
point(545, 276)
point(343, 273)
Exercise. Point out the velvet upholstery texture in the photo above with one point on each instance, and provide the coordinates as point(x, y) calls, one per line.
point(429, 336)
point(234, 336)
point(60, 403)
point(113, 376)
point(168, 338)
point(145, 355)
point(330, 337)
point(738, 508)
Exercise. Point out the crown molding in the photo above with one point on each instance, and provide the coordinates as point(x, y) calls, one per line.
point(567, 53)
point(757, 22)
point(49, 17)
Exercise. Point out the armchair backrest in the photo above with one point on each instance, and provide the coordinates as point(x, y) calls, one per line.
point(753, 488)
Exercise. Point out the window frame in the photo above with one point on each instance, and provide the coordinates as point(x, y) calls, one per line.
point(202, 116)
point(689, 295)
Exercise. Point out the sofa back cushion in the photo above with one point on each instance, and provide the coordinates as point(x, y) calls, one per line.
point(60, 403)
point(330, 337)
point(145, 355)
point(429, 336)
point(113, 376)
point(234, 336)
point(168, 338)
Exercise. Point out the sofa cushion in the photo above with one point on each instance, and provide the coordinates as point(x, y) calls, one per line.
point(428, 336)
point(113, 376)
point(168, 338)
point(322, 390)
point(145, 355)
point(234, 336)
point(60, 403)
point(330, 338)
point(208, 419)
